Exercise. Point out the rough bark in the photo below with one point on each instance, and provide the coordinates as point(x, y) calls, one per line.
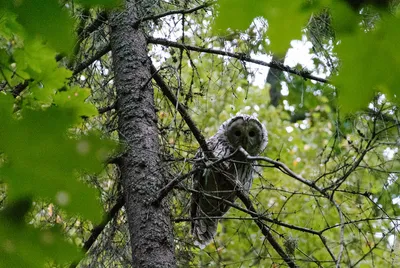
point(141, 173)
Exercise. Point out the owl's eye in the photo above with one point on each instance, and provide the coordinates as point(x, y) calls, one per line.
point(237, 133)
point(252, 133)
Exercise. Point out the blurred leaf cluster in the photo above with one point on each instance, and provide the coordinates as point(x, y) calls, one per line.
point(366, 33)
point(53, 181)
point(45, 152)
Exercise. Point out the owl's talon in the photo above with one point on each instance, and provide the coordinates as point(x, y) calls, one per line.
point(225, 165)
point(207, 167)
point(239, 185)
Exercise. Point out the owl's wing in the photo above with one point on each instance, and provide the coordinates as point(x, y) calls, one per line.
point(203, 229)
point(209, 181)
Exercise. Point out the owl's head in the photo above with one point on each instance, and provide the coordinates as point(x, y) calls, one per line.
point(246, 131)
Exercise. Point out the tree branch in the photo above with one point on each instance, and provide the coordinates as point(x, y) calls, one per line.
point(282, 167)
point(173, 12)
point(374, 247)
point(96, 231)
point(258, 219)
point(265, 230)
point(356, 163)
point(20, 87)
point(164, 191)
point(103, 16)
point(100, 19)
point(81, 26)
point(83, 65)
point(182, 110)
point(200, 138)
point(242, 57)
point(103, 110)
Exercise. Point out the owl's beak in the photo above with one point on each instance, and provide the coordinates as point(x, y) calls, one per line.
point(244, 142)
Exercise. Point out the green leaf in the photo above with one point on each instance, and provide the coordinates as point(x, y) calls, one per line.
point(37, 61)
point(46, 19)
point(285, 19)
point(75, 98)
point(24, 246)
point(42, 161)
point(345, 19)
point(237, 15)
point(8, 24)
point(369, 63)
point(7, 70)
point(102, 3)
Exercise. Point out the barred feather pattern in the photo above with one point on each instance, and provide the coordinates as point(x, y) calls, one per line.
point(214, 181)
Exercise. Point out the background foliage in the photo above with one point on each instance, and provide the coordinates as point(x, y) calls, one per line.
point(58, 128)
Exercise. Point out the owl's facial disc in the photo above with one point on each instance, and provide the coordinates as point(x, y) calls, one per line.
point(246, 134)
point(254, 137)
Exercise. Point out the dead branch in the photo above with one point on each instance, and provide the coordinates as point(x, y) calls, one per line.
point(173, 12)
point(83, 65)
point(200, 138)
point(182, 110)
point(239, 56)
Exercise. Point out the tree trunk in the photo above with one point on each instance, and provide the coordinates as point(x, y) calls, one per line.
point(274, 78)
point(141, 173)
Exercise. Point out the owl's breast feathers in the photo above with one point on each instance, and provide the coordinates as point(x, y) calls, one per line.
point(219, 181)
point(215, 185)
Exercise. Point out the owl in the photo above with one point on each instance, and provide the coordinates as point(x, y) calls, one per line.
point(241, 130)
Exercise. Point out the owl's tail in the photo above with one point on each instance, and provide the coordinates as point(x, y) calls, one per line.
point(203, 231)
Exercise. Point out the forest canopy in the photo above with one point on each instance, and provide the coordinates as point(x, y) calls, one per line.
point(104, 104)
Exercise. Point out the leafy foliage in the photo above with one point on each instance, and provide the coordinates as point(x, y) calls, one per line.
point(51, 144)
point(285, 19)
point(102, 3)
point(47, 20)
point(44, 150)
point(377, 50)
point(25, 246)
point(40, 160)
point(373, 43)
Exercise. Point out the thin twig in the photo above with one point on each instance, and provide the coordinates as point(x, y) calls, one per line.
point(264, 229)
point(103, 110)
point(282, 167)
point(356, 163)
point(211, 217)
point(200, 138)
point(96, 231)
point(372, 248)
point(166, 189)
point(258, 220)
point(182, 110)
point(239, 56)
point(83, 65)
point(173, 12)
point(342, 245)
point(258, 215)
point(100, 19)
point(358, 221)
point(323, 239)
